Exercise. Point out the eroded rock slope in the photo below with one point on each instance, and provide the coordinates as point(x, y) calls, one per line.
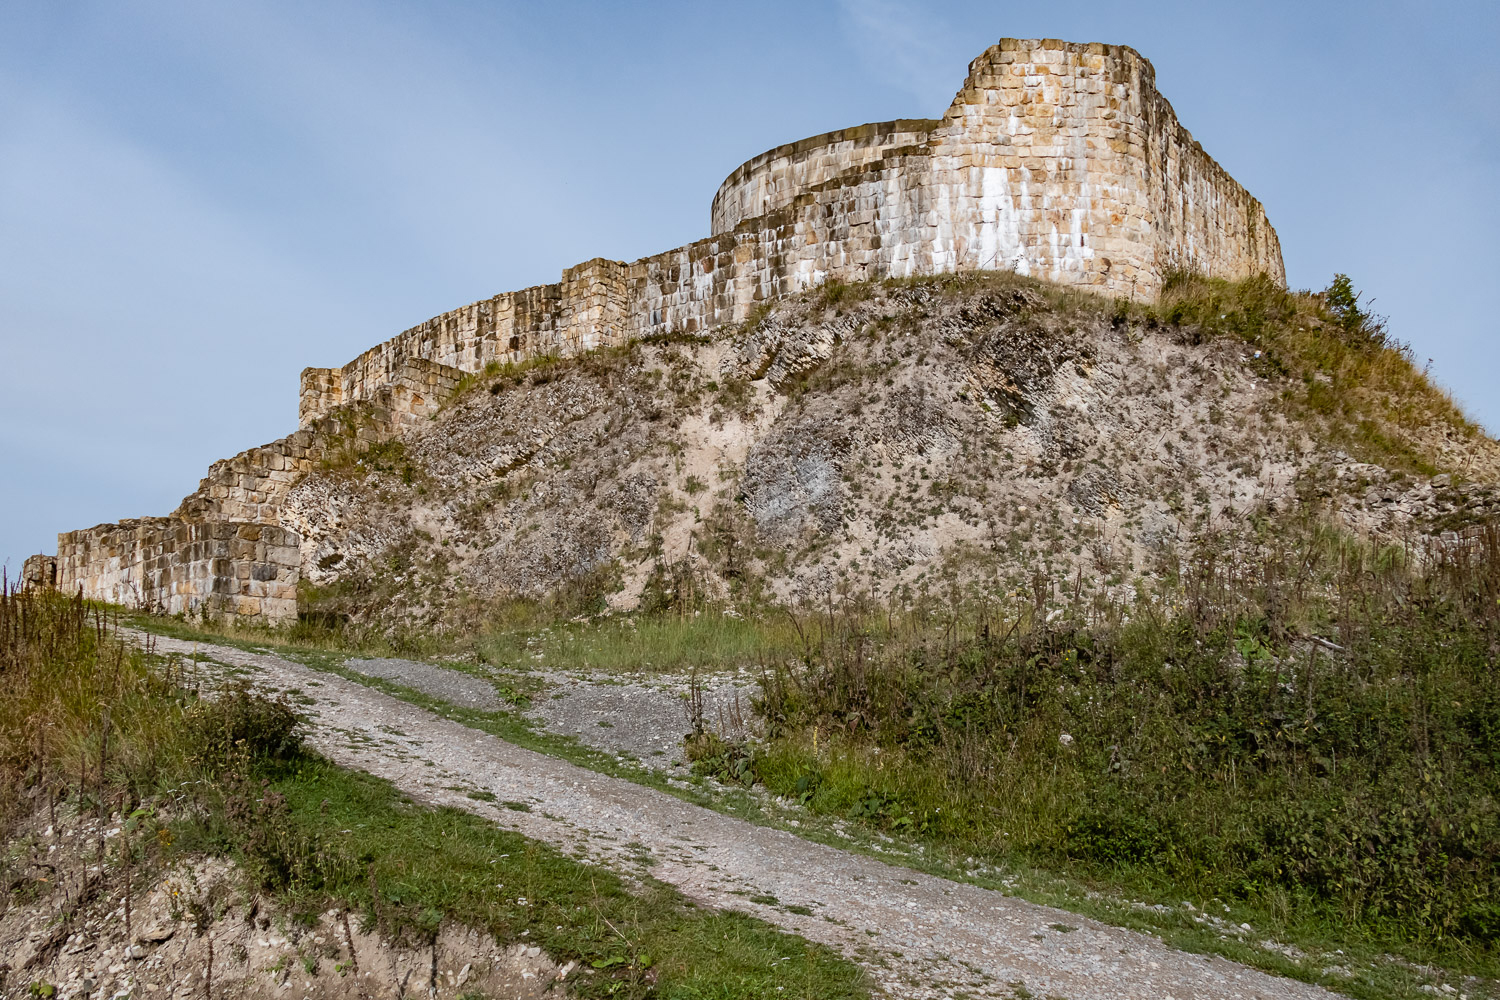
point(878, 437)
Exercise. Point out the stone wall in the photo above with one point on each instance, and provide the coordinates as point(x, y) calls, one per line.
point(322, 392)
point(1055, 160)
point(177, 567)
point(39, 572)
point(224, 550)
point(775, 178)
point(250, 486)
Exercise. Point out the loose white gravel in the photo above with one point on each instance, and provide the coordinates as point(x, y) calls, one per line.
point(452, 686)
point(642, 717)
point(917, 935)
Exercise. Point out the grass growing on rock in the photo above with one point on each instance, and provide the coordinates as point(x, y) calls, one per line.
point(1296, 724)
point(327, 833)
point(1345, 374)
point(1292, 728)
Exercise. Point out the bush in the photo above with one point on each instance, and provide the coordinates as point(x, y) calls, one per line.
point(239, 729)
point(1211, 737)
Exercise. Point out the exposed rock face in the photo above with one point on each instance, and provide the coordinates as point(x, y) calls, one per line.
point(196, 930)
point(983, 428)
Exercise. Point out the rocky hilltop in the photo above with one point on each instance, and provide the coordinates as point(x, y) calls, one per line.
point(876, 438)
point(1044, 333)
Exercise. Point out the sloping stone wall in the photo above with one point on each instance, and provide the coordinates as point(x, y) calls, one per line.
point(224, 549)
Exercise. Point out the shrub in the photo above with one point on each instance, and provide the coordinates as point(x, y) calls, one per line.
point(241, 728)
point(1208, 735)
point(729, 762)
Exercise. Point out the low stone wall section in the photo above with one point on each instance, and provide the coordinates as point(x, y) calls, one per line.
point(250, 486)
point(39, 572)
point(180, 567)
point(224, 550)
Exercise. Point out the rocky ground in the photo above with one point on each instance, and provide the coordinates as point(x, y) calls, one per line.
point(195, 932)
point(636, 716)
point(643, 718)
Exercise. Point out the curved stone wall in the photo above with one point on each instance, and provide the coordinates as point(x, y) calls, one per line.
point(775, 178)
point(1054, 159)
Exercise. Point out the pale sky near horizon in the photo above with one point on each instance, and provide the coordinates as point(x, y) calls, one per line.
point(199, 200)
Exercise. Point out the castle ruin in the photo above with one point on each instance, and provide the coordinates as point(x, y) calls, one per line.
point(1056, 160)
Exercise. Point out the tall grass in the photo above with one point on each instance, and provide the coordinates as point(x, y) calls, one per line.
point(1348, 373)
point(702, 637)
point(90, 725)
point(83, 714)
point(1293, 719)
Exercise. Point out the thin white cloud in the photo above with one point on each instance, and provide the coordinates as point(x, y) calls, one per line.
point(912, 44)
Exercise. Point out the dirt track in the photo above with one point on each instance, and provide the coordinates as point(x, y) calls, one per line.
point(918, 935)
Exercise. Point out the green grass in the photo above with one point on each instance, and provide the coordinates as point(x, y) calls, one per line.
point(1192, 745)
point(80, 710)
point(89, 721)
point(346, 832)
point(840, 813)
point(1339, 797)
point(708, 639)
point(702, 638)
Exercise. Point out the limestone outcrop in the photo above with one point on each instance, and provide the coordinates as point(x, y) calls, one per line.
point(1056, 160)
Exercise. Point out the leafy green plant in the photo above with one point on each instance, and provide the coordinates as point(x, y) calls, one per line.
point(240, 727)
point(729, 762)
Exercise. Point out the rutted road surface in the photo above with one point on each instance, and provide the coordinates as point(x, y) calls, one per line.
point(916, 934)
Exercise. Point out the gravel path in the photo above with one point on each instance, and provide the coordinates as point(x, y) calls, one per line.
point(641, 717)
point(917, 935)
point(452, 686)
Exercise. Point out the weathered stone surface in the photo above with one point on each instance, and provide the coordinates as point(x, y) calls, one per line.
point(39, 571)
point(176, 566)
point(1055, 160)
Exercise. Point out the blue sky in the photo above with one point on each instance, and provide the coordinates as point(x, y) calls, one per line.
point(199, 200)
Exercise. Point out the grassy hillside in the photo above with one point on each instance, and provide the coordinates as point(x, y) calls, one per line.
point(1284, 747)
